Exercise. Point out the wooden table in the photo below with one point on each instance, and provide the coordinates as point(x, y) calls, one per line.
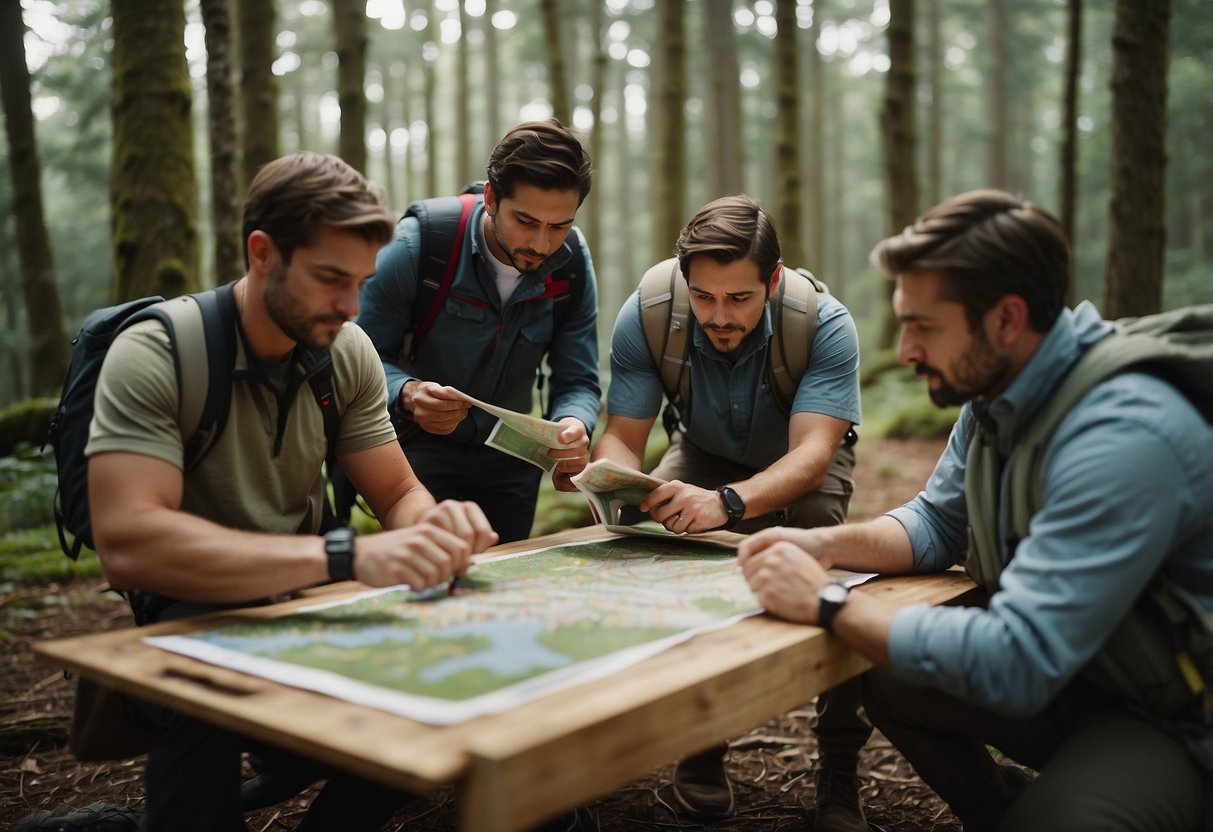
point(533, 761)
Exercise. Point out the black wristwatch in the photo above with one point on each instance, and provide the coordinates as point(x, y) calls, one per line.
point(829, 601)
point(339, 546)
point(734, 506)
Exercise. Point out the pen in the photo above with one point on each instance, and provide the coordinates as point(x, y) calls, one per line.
point(451, 589)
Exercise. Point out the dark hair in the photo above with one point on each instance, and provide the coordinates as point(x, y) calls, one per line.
point(540, 153)
point(728, 229)
point(985, 245)
point(291, 198)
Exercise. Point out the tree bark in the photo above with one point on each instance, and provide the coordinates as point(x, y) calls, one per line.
point(558, 85)
point(349, 25)
point(48, 355)
point(463, 103)
point(723, 106)
point(1069, 140)
point(897, 130)
point(225, 207)
point(996, 97)
point(492, 79)
point(429, 52)
point(258, 86)
point(787, 176)
point(934, 137)
point(816, 255)
point(153, 193)
point(669, 128)
point(1137, 234)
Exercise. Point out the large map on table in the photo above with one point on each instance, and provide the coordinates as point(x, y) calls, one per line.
point(516, 627)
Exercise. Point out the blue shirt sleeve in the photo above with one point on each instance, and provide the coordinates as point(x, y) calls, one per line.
point(830, 384)
point(1124, 493)
point(635, 390)
point(573, 356)
point(386, 304)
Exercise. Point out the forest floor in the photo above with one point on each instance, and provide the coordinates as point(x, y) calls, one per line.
point(771, 767)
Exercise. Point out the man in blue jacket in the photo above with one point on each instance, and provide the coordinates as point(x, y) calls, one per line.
point(522, 287)
point(1126, 509)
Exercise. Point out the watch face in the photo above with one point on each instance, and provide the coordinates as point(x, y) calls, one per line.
point(834, 593)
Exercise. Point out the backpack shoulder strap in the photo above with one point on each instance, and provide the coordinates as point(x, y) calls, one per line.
point(202, 330)
point(665, 310)
point(794, 325)
point(443, 221)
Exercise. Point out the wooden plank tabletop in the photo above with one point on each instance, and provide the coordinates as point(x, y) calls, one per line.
point(579, 742)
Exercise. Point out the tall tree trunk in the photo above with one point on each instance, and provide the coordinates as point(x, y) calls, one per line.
point(429, 53)
point(153, 194)
point(389, 108)
point(723, 106)
point(258, 86)
point(492, 79)
point(558, 84)
point(349, 24)
point(463, 103)
point(225, 207)
point(934, 138)
point(835, 109)
point(598, 59)
point(897, 130)
point(1137, 234)
point(996, 96)
point(669, 128)
point(48, 354)
point(816, 255)
point(1069, 141)
point(787, 176)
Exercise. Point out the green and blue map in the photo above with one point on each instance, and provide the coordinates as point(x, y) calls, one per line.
point(516, 627)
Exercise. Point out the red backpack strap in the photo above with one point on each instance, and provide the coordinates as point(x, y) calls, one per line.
point(467, 202)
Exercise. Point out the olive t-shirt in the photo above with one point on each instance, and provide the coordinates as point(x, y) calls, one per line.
point(242, 482)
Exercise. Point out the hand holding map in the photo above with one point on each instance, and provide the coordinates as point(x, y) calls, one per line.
point(522, 435)
point(614, 492)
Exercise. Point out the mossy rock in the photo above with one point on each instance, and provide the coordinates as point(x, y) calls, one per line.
point(25, 424)
point(925, 421)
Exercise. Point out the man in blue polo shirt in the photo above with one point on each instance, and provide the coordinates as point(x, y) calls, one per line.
point(737, 460)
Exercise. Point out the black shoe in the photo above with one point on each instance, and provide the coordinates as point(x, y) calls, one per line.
point(277, 780)
point(95, 817)
point(838, 806)
point(701, 785)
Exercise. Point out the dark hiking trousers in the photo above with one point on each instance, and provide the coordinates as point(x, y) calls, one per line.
point(1100, 767)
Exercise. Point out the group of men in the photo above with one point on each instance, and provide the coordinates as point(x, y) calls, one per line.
point(979, 288)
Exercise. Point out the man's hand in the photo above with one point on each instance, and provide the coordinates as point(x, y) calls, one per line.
point(466, 520)
point(571, 460)
point(435, 408)
point(682, 507)
point(421, 556)
point(804, 539)
point(785, 579)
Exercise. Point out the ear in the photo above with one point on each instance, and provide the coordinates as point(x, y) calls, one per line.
point(261, 252)
point(1009, 319)
point(776, 276)
point(490, 199)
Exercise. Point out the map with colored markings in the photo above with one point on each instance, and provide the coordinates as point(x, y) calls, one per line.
point(514, 628)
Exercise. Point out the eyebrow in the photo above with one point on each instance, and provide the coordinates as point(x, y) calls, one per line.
point(742, 293)
point(518, 212)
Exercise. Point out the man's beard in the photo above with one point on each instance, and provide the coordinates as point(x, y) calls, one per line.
point(512, 255)
point(976, 373)
point(292, 316)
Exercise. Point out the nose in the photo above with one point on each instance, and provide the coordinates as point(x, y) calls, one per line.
point(347, 301)
point(541, 238)
point(908, 352)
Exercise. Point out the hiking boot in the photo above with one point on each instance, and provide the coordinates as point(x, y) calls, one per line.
point(701, 785)
point(95, 817)
point(838, 806)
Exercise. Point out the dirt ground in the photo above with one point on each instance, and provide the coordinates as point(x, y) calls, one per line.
point(771, 766)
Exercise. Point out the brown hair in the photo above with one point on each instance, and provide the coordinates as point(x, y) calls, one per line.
point(294, 196)
point(986, 244)
point(728, 229)
point(540, 153)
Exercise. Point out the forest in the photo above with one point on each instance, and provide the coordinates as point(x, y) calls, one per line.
point(132, 126)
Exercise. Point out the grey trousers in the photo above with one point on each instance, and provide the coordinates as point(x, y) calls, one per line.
point(841, 728)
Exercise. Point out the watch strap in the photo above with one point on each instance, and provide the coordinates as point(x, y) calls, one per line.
point(828, 607)
point(339, 548)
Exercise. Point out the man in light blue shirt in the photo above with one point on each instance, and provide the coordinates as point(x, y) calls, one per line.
point(1127, 495)
point(738, 460)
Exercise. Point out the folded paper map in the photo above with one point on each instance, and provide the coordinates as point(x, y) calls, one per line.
point(519, 434)
point(614, 492)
